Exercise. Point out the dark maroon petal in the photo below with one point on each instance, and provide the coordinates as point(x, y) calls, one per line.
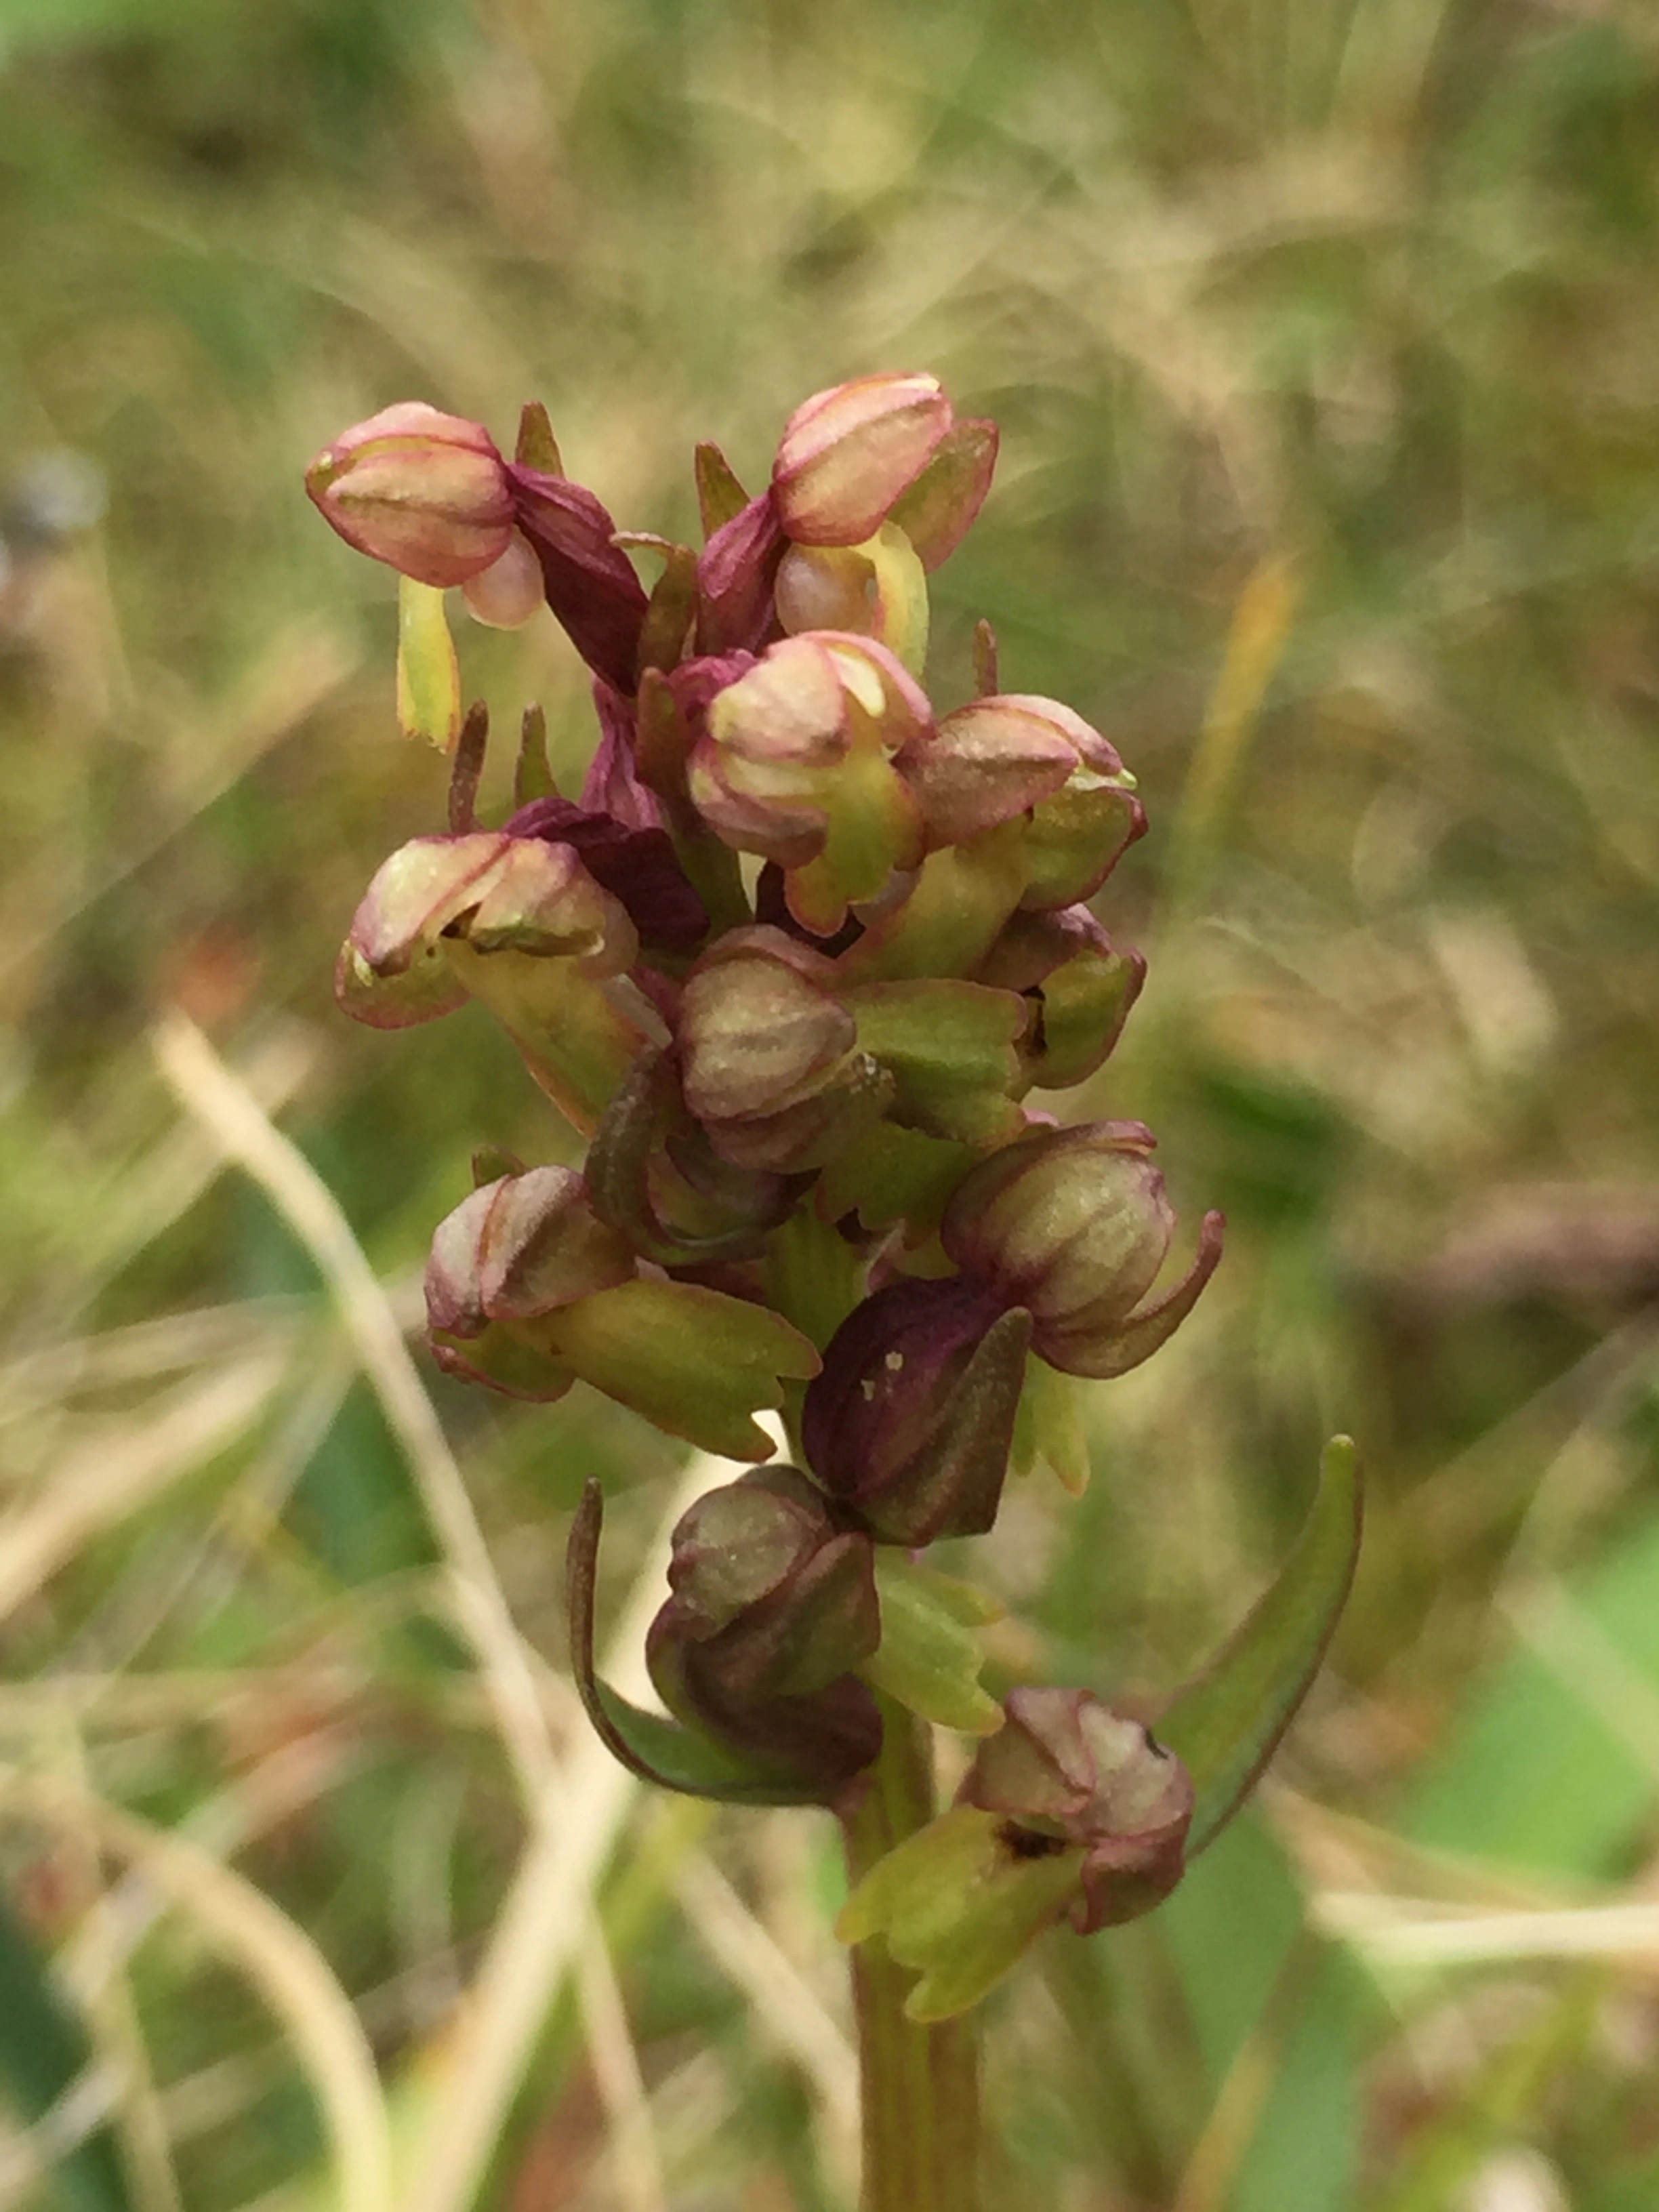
point(879, 1425)
point(590, 582)
point(613, 785)
point(736, 574)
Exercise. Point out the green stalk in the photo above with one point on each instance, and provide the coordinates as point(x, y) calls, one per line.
point(920, 2085)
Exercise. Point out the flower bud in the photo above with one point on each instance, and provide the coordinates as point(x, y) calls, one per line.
point(1075, 1225)
point(426, 493)
point(848, 455)
point(485, 889)
point(520, 1246)
point(912, 1419)
point(795, 762)
point(518, 1249)
point(528, 1288)
point(1080, 987)
point(1065, 1770)
point(1013, 756)
point(518, 923)
point(768, 1054)
point(771, 1606)
point(777, 1598)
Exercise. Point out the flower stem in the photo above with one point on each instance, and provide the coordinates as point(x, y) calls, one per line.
point(920, 2084)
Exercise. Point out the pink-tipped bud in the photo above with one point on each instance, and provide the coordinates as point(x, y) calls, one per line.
point(426, 492)
point(849, 454)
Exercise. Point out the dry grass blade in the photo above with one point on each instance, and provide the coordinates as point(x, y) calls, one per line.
point(276, 1956)
point(224, 1106)
point(542, 1922)
point(103, 1483)
point(785, 2006)
point(1410, 1932)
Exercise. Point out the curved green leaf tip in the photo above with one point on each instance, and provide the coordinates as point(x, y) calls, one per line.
point(1226, 1723)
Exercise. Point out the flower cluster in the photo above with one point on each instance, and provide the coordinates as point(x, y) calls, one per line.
point(798, 961)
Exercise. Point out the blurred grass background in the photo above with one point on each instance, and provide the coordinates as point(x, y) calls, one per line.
point(1324, 336)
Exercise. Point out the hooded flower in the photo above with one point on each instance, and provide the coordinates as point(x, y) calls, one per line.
point(795, 762)
point(1073, 1225)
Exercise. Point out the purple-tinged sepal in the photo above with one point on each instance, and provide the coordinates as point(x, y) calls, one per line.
point(911, 1420)
point(736, 574)
point(1074, 1226)
point(638, 866)
point(588, 579)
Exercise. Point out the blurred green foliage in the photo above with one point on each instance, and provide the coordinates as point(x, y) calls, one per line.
point(1361, 285)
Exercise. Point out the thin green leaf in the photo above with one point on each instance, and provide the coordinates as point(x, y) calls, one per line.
point(1226, 1723)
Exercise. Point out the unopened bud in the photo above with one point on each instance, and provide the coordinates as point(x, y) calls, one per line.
point(778, 1598)
point(426, 492)
point(848, 455)
point(795, 762)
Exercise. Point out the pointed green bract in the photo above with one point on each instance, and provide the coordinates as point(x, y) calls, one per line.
point(1227, 1723)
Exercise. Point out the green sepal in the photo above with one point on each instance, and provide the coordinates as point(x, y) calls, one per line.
point(696, 1363)
point(1226, 1723)
point(960, 1906)
point(650, 1745)
point(929, 1658)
